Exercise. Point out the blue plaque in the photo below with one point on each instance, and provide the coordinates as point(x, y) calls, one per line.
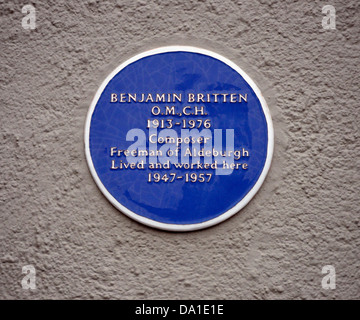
point(179, 138)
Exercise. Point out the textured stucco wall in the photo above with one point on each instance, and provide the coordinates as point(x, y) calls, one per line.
point(305, 216)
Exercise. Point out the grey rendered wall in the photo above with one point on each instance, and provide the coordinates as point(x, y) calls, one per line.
point(304, 217)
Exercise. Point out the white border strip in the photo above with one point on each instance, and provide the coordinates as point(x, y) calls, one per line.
point(182, 227)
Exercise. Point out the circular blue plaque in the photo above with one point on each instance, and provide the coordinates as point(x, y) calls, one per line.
point(179, 138)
